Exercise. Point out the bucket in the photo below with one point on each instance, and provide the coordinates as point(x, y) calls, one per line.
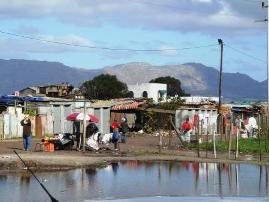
point(48, 147)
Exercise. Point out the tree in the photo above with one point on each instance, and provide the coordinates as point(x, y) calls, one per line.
point(173, 85)
point(103, 87)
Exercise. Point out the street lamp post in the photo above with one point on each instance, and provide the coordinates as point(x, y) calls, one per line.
point(84, 118)
point(84, 125)
point(220, 73)
point(267, 20)
point(267, 67)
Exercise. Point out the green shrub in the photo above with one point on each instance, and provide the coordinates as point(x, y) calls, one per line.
point(150, 118)
point(31, 112)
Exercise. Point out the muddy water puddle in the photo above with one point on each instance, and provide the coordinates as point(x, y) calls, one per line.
point(143, 181)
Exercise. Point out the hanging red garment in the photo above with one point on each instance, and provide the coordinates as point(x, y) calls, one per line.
point(195, 120)
point(225, 119)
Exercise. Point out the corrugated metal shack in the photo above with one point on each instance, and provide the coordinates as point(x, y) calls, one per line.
point(131, 110)
point(201, 114)
point(50, 115)
point(58, 109)
point(207, 118)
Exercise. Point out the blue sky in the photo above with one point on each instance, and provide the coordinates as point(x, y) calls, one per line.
point(137, 24)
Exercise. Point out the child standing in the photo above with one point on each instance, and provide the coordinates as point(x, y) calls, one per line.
point(115, 138)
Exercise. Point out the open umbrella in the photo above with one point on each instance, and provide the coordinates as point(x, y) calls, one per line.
point(79, 116)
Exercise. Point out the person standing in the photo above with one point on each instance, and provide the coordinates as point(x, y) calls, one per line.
point(186, 127)
point(115, 125)
point(27, 133)
point(252, 124)
point(124, 130)
point(76, 132)
point(115, 138)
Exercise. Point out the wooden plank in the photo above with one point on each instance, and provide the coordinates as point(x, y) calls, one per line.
point(1, 127)
point(178, 133)
point(161, 111)
point(38, 128)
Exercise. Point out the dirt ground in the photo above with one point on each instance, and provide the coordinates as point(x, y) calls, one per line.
point(138, 147)
point(134, 143)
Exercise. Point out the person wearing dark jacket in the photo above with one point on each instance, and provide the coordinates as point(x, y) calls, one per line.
point(124, 129)
point(26, 134)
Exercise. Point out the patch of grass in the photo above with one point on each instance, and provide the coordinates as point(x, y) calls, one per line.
point(102, 164)
point(144, 152)
point(245, 145)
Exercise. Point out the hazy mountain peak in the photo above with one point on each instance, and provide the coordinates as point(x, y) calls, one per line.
point(195, 78)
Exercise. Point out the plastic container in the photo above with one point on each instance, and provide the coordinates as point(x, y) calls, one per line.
point(48, 147)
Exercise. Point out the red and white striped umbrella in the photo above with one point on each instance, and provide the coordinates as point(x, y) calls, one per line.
point(79, 116)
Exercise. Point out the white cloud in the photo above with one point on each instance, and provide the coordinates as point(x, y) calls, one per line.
point(68, 39)
point(35, 46)
point(184, 15)
point(202, 1)
point(168, 51)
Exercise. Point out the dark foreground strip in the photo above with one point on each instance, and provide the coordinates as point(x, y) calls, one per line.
point(51, 197)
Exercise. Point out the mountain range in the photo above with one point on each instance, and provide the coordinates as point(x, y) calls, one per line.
point(196, 78)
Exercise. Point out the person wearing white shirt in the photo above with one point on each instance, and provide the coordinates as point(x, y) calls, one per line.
point(252, 124)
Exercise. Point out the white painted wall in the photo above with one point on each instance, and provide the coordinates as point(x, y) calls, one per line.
point(199, 99)
point(151, 88)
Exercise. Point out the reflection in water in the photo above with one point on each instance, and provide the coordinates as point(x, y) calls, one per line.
point(206, 165)
point(136, 164)
point(266, 178)
point(25, 178)
point(115, 167)
point(195, 167)
point(3, 178)
point(135, 178)
point(220, 183)
point(91, 173)
point(260, 180)
point(171, 168)
point(237, 179)
point(186, 164)
point(229, 171)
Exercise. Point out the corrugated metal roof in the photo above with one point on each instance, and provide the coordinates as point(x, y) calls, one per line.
point(125, 106)
point(110, 103)
point(103, 103)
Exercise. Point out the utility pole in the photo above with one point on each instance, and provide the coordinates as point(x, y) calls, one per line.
point(84, 125)
point(83, 90)
point(266, 20)
point(220, 73)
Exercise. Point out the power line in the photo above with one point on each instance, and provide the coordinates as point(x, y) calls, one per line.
point(246, 54)
point(103, 48)
point(125, 49)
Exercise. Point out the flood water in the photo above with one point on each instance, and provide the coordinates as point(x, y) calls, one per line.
point(143, 181)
